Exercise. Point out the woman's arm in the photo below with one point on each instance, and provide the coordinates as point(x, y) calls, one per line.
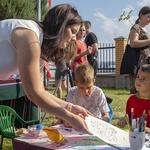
point(28, 57)
point(87, 52)
point(135, 42)
point(94, 48)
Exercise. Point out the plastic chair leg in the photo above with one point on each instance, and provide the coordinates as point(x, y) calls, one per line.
point(1, 146)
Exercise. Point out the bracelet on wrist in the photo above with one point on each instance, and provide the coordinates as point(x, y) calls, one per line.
point(69, 106)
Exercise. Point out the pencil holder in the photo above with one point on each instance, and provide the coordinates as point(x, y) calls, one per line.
point(137, 140)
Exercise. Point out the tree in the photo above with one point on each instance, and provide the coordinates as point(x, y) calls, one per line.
point(21, 9)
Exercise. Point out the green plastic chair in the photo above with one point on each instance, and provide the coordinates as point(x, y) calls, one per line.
point(8, 117)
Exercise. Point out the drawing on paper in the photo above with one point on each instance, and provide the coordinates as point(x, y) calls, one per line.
point(104, 130)
point(107, 132)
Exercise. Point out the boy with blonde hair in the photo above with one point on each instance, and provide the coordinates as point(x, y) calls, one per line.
point(87, 95)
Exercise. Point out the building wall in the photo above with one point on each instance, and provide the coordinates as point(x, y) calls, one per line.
point(112, 81)
point(120, 44)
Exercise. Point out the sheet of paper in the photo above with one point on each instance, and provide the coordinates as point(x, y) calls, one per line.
point(107, 132)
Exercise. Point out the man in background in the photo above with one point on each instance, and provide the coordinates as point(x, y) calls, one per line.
point(91, 40)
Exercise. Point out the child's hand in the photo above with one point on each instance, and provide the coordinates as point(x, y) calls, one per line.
point(121, 123)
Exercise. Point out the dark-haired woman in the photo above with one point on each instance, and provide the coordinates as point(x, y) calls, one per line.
point(26, 44)
point(139, 38)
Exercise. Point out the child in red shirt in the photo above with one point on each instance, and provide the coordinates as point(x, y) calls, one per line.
point(140, 102)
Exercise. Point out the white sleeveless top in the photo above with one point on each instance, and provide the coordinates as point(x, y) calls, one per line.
point(8, 55)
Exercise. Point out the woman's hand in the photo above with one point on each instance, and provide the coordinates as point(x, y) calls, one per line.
point(78, 110)
point(79, 124)
point(66, 123)
point(77, 120)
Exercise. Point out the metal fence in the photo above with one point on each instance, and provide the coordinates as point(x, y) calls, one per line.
point(106, 58)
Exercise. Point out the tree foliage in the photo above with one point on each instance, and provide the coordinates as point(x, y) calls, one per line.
point(21, 9)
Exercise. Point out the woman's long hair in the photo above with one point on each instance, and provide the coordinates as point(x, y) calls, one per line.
point(144, 10)
point(69, 53)
point(54, 25)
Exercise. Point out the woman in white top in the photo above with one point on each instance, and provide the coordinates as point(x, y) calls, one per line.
point(26, 44)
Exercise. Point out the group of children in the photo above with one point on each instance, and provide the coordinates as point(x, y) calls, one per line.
point(91, 97)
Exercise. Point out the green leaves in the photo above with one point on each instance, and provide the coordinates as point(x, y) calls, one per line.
point(21, 9)
point(125, 16)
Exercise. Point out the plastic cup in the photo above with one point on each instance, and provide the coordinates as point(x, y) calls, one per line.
point(34, 130)
point(137, 140)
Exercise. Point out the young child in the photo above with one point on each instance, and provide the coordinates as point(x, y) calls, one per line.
point(87, 95)
point(139, 102)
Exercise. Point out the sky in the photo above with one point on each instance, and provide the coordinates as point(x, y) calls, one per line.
point(104, 16)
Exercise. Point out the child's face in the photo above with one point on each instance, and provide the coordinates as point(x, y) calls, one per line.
point(85, 89)
point(142, 82)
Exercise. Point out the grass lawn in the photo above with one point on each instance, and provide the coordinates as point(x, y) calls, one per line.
point(118, 104)
point(119, 97)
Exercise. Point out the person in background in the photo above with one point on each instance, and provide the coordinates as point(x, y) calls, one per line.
point(60, 77)
point(62, 69)
point(26, 44)
point(82, 50)
point(87, 95)
point(139, 102)
point(91, 40)
point(139, 38)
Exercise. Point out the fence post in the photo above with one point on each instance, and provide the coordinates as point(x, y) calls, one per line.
point(120, 44)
